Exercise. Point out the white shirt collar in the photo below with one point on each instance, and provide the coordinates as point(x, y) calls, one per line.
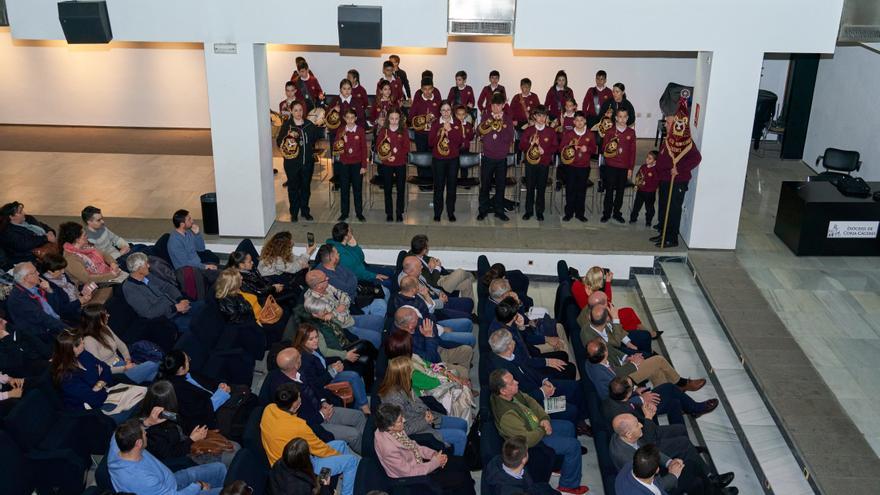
point(443, 121)
point(619, 129)
point(347, 100)
point(540, 127)
point(580, 133)
point(653, 488)
point(512, 473)
point(351, 129)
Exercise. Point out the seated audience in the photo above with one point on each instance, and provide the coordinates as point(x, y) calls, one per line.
point(396, 388)
point(446, 307)
point(21, 234)
point(450, 281)
point(152, 297)
point(236, 310)
point(452, 331)
point(166, 440)
point(695, 477)
point(553, 364)
point(543, 334)
point(277, 261)
point(402, 457)
point(85, 264)
point(294, 474)
point(517, 414)
point(34, 309)
point(506, 473)
point(351, 256)
point(426, 342)
point(597, 280)
point(327, 302)
point(70, 297)
point(601, 320)
point(100, 236)
point(280, 424)
point(518, 281)
point(186, 243)
point(133, 469)
point(198, 397)
point(345, 280)
point(319, 371)
point(641, 476)
point(253, 282)
point(624, 397)
point(103, 344)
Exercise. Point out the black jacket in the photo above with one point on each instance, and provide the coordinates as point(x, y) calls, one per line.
point(167, 440)
point(314, 373)
point(309, 132)
point(286, 481)
point(501, 483)
point(254, 283)
point(194, 403)
point(235, 309)
point(19, 241)
point(625, 104)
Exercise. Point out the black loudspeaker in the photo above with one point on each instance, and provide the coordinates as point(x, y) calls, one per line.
point(85, 22)
point(360, 27)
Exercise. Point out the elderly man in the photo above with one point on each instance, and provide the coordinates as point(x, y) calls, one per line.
point(622, 396)
point(694, 478)
point(327, 302)
point(34, 309)
point(22, 233)
point(152, 297)
point(450, 281)
point(452, 332)
point(605, 363)
point(345, 280)
point(517, 414)
point(445, 306)
point(100, 236)
point(600, 318)
point(426, 342)
point(546, 335)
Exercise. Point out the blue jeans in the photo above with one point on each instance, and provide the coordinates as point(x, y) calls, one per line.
point(459, 331)
point(378, 307)
point(369, 328)
point(357, 386)
point(454, 432)
point(213, 474)
point(182, 320)
point(462, 304)
point(388, 272)
point(144, 372)
point(346, 464)
point(565, 443)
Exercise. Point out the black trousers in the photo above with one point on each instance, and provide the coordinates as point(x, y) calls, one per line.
point(445, 173)
point(493, 171)
point(394, 176)
point(576, 190)
point(299, 186)
point(536, 184)
point(350, 179)
point(647, 199)
point(615, 185)
point(674, 223)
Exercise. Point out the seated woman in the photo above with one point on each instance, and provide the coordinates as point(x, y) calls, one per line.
point(519, 282)
point(20, 234)
point(319, 371)
point(255, 283)
point(68, 295)
point(166, 440)
point(82, 378)
point(598, 279)
point(102, 343)
point(85, 264)
point(402, 457)
point(250, 334)
point(396, 388)
point(336, 342)
point(277, 261)
point(198, 404)
point(293, 473)
point(433, 379)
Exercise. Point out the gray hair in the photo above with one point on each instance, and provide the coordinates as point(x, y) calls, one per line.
point(19, 271)
point(315, 305)
point(404, 316)
point(498, 288)
point(135, 261)
point(500, 340)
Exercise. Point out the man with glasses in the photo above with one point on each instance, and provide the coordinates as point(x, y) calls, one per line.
point(20, 233)
point(34, 309)
point(327, 302)
point(100, 236)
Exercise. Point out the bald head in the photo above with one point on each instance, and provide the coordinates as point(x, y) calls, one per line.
point(624, 424)
point(412, 266)
point(288, 360)
point(409, 285)
point(596, 298)
point(596, 350)
point(314, 277)
point(406, 319)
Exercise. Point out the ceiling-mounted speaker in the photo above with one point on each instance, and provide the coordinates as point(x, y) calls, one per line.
point(360, 27)
point(85, 22)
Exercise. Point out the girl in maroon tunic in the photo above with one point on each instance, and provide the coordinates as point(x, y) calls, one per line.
point(538, 144)
point(445, 141)
point(392, 147)
point(350, 148)
point(557, 95)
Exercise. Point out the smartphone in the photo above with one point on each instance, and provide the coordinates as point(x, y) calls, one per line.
point(324, 475)
point(310, 237)
point(606, 270)
point(170, 416)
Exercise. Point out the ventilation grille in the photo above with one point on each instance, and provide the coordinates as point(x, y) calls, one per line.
point(864, 34)
point(490, 28)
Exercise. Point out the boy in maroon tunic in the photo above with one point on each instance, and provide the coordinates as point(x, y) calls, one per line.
point(461, 94)
point(576, 147)
point(496, 134)
point(308, 86)
point(350, 150)
point(646, 183)
point(538, 145)
point(619, 151)
point(523, 104)
point(595, 98)
point(486, 94)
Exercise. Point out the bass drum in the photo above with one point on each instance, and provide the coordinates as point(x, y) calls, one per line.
point(317, 116)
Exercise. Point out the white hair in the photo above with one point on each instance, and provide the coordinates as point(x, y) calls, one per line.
point(19, 271)
point(500, 340)
point(135, 261)
point(498, 288)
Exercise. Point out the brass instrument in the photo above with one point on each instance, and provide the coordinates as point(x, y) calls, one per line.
point(333, 119)
point(639, 180)
point(556, 124)
point(568, 152)
point(420, 123)
point(533, 154)
point(384, 148)
point(490, 125)
point(339, 145)
point(276, 120)
point(612, 147)
point(604, 124)
point(290, 146)
point(443, 142)
point(316, 116)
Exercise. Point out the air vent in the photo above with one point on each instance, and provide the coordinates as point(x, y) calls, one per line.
point(864, 34)
point(490, 28)
point(860, 21)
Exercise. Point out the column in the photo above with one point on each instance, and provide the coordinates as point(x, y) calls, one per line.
point(238, 101)
point(726, 91)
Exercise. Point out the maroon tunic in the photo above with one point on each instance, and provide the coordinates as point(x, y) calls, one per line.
point(496, 144)
point(381, 107)
point(589, 107)
point(354, 146)
point(465, 96)
point(421, 106)
point(546, 139)
point(454, 135)
point(581, 158)
point(555, 100)
point(360, 94)
point(619, 148)
point(649, 177)
point(486, 97)
point(354, 104)
point(399, 142)
point(521, 107)
point(686, 163)
point(314, 87)
point(396, 88)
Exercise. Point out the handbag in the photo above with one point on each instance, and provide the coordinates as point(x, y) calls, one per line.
point(367, 293)
point(122, 397)
point(268, 313)
point(48, 248)
point(213, 444)
point(342, 390)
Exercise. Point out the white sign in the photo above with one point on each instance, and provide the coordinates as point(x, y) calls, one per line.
point(852, 230)
point(225, 48)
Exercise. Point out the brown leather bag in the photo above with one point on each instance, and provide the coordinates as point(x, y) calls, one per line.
point(271, 312)
point(42, 251)
point(215, 444)
point(342, 390)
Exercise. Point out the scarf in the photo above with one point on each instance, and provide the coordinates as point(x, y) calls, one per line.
point(408, 444)
point(91, 258)
point(36, 229)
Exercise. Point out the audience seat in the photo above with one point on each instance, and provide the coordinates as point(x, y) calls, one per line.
point(27, 471)
point(160, 247)
point(247, 467)
point(130, 327)
point(232, 366)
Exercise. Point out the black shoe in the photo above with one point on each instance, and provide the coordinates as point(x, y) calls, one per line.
point(481, 216)
point(399, 217)
point(633, 220)
point(452, 217)
point(294, 219)
point(436, 218)
point(342, 218)
point(707, 407)
point(308, 217)
point(502, 217)
point(656, 238)
point(527, 216)
point(362, 218)
point(668, 244)
point(600, 187)
point(619, 219)
point(730, 490)
point(540, 217)
point(604, 219)
point(389, 218)
point(721, 480)
point(657, 334)
point(566, 218)
point(582, 428)
point(582, 218)
point(584, 450)
point(284, 184)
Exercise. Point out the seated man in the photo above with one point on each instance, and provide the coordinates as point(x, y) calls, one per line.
point(506, 473)
point(34, 310)
point(134, 470)
point(351, 256)
point(624, 397)
point(544, 334)
point(607, 362)
point(445, 307)
point(549, 364)
point(186, 246)
point(335, 306)
point(152, 297)
point(517, 414)
point(20, 234)
point(600, 318)
point(642, 475)
point(695, 478)
point(345, 280)
point(280, 424)
point(450, 281)
point(426, 343)
point(452, 332)
point(100, 236)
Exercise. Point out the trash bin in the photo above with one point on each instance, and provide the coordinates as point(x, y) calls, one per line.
point(210, 223)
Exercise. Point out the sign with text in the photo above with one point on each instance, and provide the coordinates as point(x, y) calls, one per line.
point(852, 230)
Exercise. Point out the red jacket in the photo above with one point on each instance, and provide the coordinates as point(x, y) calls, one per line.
point(399, 142)
point(581, 157)
point(455, 139)
point(421, 106)
point(353, 146)
point(435, 94)
point(396, 89)
point(314, 87)
point(486, 97)
point(589, 108)
point(547, 140)
point(555, 100)
point(466, 97)
point(567, 123)
point(521, 108)
point(649, 176)
point(619, 148)
point(496, 144)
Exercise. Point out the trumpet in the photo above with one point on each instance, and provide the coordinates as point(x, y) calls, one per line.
point(384, 148)
point(290, 145)
point(333, 119)
point(568, 152)
point(443, 142)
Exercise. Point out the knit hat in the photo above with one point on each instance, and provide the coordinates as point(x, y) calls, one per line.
point(678, 139)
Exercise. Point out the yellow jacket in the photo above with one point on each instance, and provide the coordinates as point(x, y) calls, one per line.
point(278, 427)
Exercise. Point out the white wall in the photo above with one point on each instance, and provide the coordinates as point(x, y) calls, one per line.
point(844, 113)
